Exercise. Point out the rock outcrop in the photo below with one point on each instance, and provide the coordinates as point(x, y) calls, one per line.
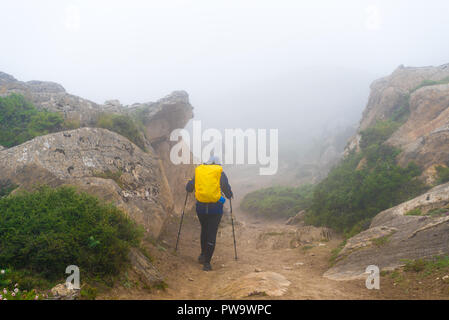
point(145, 184)
point(424, 136)
point(98, 161)
point(395, 236)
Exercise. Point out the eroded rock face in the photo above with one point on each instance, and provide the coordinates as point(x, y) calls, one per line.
point(394, 236)
point(160, 118)
point(100, 162)
point(424, 137)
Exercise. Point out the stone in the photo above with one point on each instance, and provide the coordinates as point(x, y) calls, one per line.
point(144, 269)
point(62, 292)
point(257, 283)
point(394, 237)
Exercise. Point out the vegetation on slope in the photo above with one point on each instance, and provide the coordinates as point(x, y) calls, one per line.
point(44, 231)
point(443, 174)
point(123, 125)
point(426, 83)
point(276, 202)
point(21, 121)
point(364, 183)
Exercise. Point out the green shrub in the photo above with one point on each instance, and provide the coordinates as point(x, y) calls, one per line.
point(123, 125)
point(20, 121)
point(443, 174)
point(47, 230)
point(349, 198)
point(378, 133)
point(276, 202)
point(437, 263)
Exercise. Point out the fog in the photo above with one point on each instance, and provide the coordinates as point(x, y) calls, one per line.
point(301, 67)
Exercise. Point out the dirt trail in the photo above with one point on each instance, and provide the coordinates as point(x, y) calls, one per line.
point(303, 268)
point(262, 245)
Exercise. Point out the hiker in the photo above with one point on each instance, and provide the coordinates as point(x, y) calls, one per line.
point(209, 183)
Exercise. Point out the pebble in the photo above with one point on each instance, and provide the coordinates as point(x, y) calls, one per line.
point(299, 263)
point(287, 268)
point(190, 279)
point(257, 270)
point(445, 277)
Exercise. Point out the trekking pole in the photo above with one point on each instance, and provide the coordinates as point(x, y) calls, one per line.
point(180, 224)
point(233, 232)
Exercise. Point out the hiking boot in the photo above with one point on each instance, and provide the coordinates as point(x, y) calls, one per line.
point(201, 259)
point(207, 266)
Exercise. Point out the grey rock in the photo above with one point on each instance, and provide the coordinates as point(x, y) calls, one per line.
point(62, 292)
point(145, 270)
point(394, 237)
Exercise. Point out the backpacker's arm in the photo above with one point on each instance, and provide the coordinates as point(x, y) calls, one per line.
point(225, 187)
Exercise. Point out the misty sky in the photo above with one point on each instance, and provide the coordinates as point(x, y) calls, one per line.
point(296, 65)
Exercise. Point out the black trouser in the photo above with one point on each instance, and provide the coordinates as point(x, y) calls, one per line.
point(209, 227)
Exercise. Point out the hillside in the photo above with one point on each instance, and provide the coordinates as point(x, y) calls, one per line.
point(414, 102)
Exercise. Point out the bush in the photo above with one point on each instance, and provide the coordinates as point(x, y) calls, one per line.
point(443, 174)
point(20, 121)
point(123, 125)
point(349, 198)
point(378, 133)
point(44, 231)
point(277, 202)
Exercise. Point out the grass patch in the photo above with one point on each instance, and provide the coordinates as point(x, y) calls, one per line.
point(429, 266)
point(381, 241)
point(426, 83)
point(438, 212)
point(414, 212)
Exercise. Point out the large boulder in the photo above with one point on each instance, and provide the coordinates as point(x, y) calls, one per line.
point(395, 236)
point(98, 161)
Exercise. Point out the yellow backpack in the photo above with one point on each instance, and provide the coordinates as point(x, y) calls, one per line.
point(207, 183)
